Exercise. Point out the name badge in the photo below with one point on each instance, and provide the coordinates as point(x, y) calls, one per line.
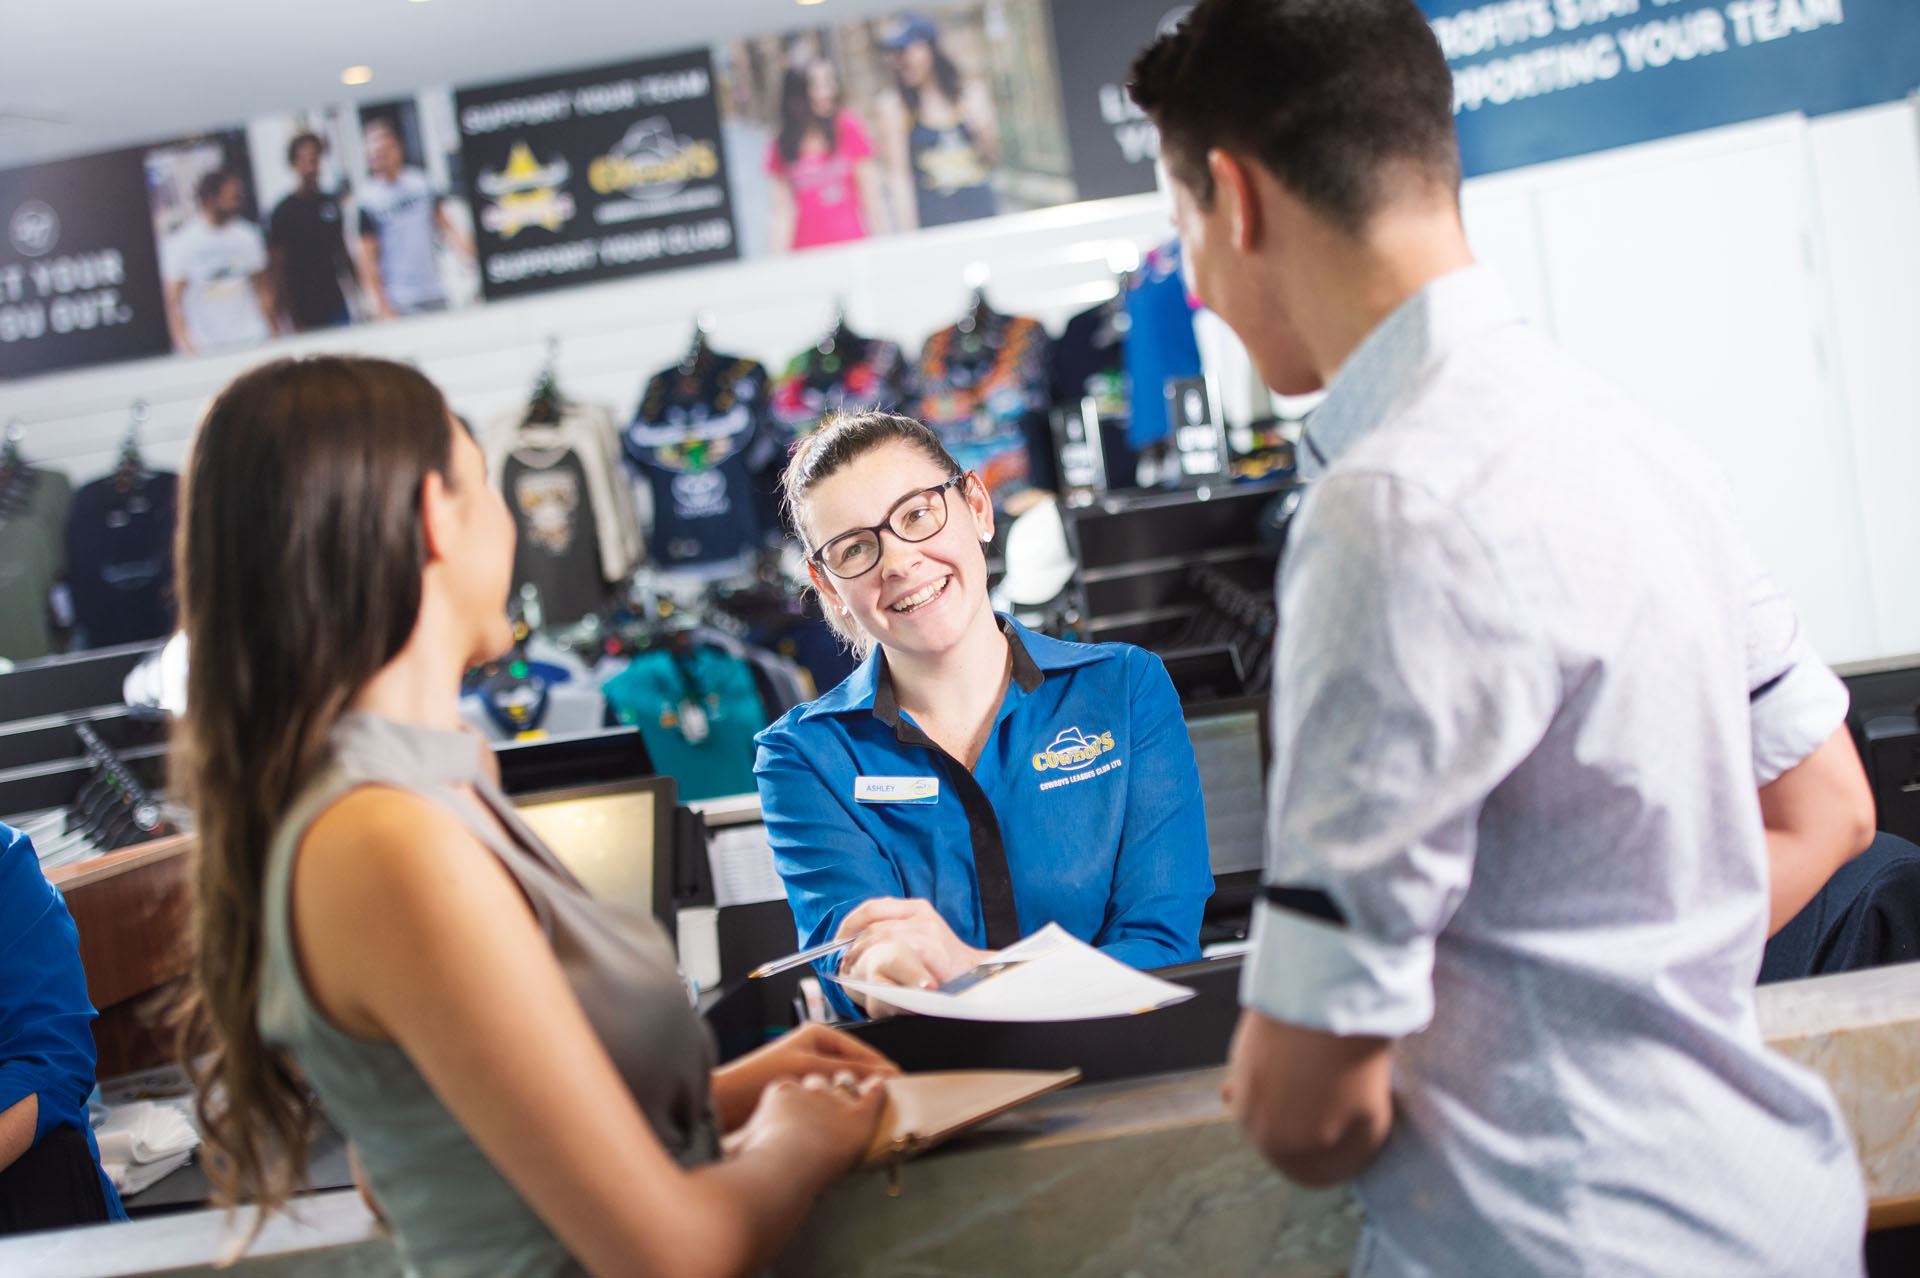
point(896, 789)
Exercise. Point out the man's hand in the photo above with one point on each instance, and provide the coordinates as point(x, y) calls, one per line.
point(903, 942)
point(1317, 1106)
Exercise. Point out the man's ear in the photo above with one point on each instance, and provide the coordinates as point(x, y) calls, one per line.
point(1233, 184)
point(437, 515)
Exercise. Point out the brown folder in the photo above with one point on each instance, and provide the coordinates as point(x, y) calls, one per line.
point(924, 1109)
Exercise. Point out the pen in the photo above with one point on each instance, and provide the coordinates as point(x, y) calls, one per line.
point(804, 956)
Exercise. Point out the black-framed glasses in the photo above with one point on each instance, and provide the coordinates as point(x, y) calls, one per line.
point(915, 517)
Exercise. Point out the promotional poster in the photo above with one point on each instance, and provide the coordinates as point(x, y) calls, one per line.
point(598, 174)
point(920, 119)
point(78, 280)
point(1539, 80)
point(1114, 144)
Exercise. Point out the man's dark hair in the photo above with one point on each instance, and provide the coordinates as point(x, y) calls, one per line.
point(311, 139)
point(211, 184)
point(1330, 95)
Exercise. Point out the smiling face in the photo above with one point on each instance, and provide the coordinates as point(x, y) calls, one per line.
point(921, 597)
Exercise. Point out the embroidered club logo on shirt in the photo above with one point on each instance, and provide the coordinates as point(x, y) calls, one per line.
point(896, 789)
point(1073, 750)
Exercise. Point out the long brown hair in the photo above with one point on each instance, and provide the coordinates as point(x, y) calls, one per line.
point(843, 439)
point(300, 560)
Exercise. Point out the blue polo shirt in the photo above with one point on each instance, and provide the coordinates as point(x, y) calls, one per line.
point(46, 1021)
point(1084, 808)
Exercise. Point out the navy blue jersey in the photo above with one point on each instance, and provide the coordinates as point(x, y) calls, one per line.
point(702, 443)
point(120, 558)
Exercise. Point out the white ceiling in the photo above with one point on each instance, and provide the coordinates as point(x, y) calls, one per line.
point(90, 75)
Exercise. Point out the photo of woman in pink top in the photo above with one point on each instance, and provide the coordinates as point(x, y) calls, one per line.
point(825, 189)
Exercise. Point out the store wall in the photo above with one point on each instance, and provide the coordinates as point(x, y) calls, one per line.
point(1758, 285)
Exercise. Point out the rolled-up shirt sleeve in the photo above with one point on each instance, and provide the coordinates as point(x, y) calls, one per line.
point(1406, 689)
point(1794, 699)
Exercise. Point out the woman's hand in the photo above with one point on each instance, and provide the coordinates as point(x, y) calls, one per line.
point(903, 943)
point(827, 1121)
point(810, 1050)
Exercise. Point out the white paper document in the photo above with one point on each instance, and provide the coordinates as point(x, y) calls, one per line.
point(1051, 977)
point(743, 868)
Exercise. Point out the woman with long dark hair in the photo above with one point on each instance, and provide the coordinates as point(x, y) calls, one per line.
point(517, 1064)
point(825, 189)
point(939, 135)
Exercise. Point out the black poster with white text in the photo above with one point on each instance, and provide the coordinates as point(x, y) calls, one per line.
point(598, 174)
point(79, 279)
point(1114, 144)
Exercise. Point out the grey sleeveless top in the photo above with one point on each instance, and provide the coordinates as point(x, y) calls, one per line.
point(453, 1213)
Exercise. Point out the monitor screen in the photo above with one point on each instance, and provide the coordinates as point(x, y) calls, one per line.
point(1230, 749)
point(616, 838)
point(550, 762)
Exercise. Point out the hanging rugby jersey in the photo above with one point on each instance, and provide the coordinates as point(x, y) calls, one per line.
point(853, 374)
point(120, 558)
point(846, 373)
point(983, 390)
point(703, 446)
point(559, 548)
point(1160, 342)
point(587, 430)
point(33, 557)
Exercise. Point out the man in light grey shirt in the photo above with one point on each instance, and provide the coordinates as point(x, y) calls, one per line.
point(1551, 757)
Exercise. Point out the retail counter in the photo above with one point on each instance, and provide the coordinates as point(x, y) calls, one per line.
point(1138, 1176)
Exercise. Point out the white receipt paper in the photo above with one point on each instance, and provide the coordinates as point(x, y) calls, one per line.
point(743, 869)
point(1056, 978)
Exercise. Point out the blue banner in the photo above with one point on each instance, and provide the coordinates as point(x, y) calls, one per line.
point(1539, 80)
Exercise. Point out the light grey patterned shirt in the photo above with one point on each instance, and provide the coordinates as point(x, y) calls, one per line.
point(1528, 679)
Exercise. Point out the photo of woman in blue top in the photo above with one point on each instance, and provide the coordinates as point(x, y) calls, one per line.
point(971, 781)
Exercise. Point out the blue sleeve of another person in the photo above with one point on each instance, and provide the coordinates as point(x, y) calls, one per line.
point(1162, 876)
point(828, 863)
point(46, 1018)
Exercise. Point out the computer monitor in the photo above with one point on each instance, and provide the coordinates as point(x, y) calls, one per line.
point(1230, 746)
point(616, 837)
point(590, 757)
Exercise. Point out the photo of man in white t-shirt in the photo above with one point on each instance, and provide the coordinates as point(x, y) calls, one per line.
point(218, 292)
point(400, 220)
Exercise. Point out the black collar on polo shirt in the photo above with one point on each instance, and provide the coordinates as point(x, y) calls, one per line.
point(991, 874)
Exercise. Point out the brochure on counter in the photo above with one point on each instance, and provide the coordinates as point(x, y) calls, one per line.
point(1049, 976)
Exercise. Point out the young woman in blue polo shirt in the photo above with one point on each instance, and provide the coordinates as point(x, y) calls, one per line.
point(972, 781)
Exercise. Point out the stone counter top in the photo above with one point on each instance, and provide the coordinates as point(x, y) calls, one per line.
point(1144, 1178)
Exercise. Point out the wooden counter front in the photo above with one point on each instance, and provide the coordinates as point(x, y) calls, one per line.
point(134, 912)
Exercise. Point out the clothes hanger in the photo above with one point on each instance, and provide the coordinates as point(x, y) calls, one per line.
point(17, 477)
point(543, 406)
point(132, 469)
point(699, 350)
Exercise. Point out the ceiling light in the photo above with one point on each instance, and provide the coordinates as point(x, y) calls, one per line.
point(356, 75)
point(813, 1)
